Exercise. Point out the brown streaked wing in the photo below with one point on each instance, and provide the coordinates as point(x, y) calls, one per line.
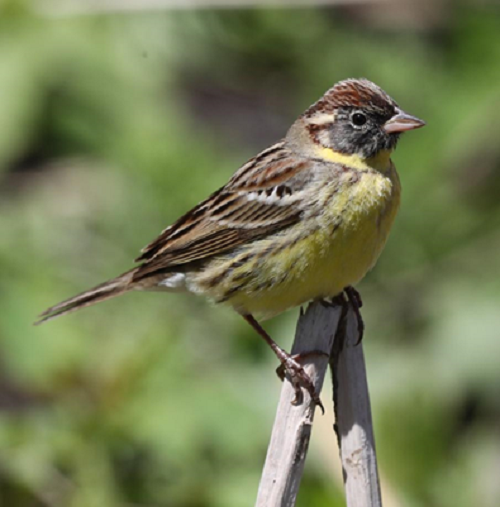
point(207, 245)
point(246, 176)
point(179, 229)
point(230, 216)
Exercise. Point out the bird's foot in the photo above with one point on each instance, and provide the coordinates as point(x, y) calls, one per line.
point(298, 377)
point(290, 365)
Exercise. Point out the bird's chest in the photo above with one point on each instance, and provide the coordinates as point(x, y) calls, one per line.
point(356, 226)
point(367, 205)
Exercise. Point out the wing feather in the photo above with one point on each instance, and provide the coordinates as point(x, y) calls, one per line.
point(261, 198)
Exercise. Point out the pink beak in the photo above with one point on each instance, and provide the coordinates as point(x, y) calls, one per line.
point(401, 122)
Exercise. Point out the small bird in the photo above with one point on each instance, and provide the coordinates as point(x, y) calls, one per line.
point(303, 220)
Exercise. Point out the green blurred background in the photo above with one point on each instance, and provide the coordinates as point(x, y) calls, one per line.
point(115, 121)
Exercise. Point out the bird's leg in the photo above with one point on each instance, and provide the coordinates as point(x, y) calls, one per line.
point(290, 365)
point(354, 298)
point(281, 369)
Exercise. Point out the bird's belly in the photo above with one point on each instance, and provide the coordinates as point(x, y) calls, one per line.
point(315, 274)
point(337, 252)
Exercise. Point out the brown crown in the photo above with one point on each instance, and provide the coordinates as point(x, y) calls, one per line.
point(353, 93)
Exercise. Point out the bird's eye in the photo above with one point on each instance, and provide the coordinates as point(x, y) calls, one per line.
point(358, 119)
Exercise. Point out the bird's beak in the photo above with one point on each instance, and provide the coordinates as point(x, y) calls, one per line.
point(401, 122)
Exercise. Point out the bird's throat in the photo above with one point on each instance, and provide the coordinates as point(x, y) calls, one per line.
point(380, 162)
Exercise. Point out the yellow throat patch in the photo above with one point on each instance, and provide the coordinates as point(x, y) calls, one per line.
point(380, 162)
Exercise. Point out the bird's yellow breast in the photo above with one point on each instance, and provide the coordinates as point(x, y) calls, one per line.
point(323, 254)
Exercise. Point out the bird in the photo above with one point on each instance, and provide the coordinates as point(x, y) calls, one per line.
point(303, 220)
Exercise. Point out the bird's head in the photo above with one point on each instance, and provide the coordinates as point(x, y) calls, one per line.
point(354, 118)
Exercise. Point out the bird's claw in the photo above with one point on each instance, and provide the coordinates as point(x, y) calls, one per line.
point(298, 377)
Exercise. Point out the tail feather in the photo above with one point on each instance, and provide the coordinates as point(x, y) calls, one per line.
point(106, 290)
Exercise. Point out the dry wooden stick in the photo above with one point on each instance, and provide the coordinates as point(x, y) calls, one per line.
point(292, 428)
point(353, 416)
point(324, 328)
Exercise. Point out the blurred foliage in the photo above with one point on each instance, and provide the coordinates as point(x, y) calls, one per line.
point(111, 125)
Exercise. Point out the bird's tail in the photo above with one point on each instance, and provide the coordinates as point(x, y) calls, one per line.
point(106, 290)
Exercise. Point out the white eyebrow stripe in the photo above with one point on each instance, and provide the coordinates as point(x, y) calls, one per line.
point(322, 119)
